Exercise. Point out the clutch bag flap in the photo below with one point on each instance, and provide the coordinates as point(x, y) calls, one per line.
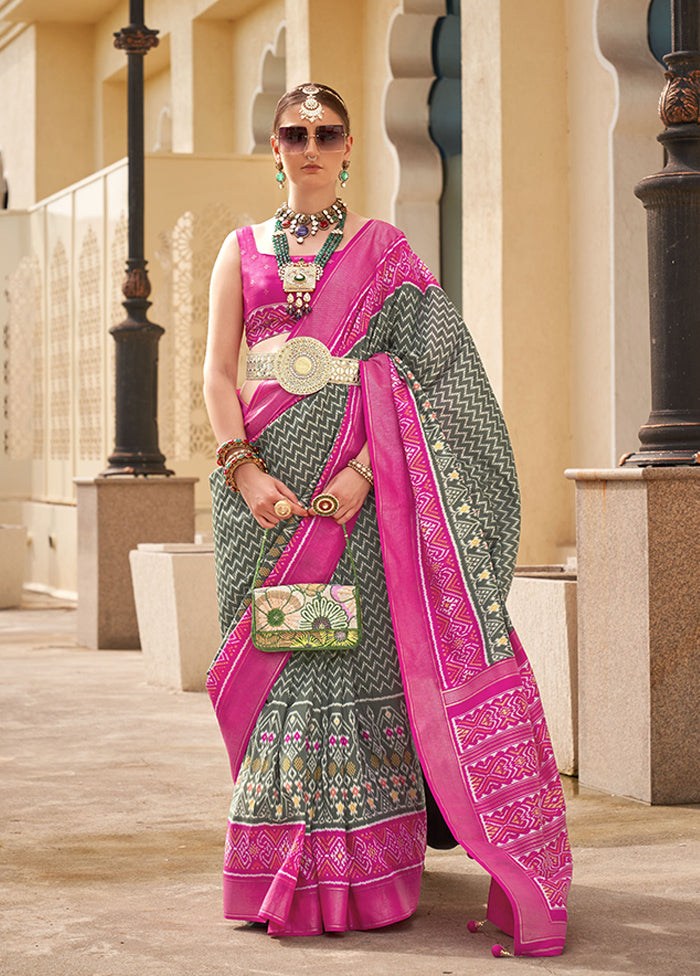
point(305, 615)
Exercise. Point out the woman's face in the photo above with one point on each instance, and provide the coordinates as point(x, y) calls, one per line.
point(311, 168)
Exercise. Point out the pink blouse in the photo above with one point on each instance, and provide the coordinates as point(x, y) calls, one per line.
point(264, 301)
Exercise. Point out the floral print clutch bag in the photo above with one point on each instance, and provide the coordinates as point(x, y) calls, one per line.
point(311, 616)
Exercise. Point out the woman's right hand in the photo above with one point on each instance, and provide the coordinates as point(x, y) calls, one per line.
point(260, 491)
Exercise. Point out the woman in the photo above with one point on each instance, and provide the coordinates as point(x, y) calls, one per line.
point(327, 824)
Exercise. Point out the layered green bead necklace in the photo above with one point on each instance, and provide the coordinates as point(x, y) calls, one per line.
point(299, 279)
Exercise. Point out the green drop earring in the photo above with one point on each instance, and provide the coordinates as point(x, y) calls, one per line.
point(344, 175)
point(280, 176)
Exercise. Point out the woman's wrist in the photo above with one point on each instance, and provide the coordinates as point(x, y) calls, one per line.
point(240, 461)
point(244, 474)
point(364, 470)
point(233, 454)
point(363, 455)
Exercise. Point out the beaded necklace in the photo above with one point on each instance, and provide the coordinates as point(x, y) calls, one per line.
point(299, 279)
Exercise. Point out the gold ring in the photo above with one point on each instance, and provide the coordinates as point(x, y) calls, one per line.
point(283, 508)
point(325, 504)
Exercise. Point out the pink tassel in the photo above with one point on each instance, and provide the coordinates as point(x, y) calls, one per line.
point(499, 952)
point(473, 926)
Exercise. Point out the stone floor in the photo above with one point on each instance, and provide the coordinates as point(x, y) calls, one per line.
point(112, 814)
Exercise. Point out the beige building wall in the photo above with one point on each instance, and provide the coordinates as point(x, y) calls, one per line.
point(555, 280)
point(633, 153)
point(46, 108)
point(16, 419)
point(252, 33)
point(109, 89)
point(157, 97)
point(18, 115)
point(536, 363)
point(64, 105)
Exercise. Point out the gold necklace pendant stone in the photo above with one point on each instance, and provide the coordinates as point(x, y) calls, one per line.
point(303, 365)
point(299, 280)
point(300, 277)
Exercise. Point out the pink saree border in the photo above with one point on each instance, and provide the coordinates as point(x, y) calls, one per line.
point(448, 604)
point(471, 742)
point(361, 878)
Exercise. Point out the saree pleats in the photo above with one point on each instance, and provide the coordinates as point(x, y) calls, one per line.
point(327, 822)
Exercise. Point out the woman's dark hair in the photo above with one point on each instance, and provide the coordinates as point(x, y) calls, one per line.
point(328, 97)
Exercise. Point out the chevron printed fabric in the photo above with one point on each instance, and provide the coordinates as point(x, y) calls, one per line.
point(327, 821)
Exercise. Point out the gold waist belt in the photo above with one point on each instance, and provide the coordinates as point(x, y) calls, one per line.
point(303, 365)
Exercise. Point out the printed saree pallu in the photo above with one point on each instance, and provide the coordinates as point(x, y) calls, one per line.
point(327, 823)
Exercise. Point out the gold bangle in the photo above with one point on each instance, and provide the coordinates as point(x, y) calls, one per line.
point(230, 469)
point(361, 469)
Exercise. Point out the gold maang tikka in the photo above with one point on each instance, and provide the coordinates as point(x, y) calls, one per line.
point(311, 109)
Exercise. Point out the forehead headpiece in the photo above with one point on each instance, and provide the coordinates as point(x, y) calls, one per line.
point(311, 109)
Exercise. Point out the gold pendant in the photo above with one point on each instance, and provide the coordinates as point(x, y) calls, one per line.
point(300, 277)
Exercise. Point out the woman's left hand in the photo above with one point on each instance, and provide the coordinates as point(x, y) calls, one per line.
point(351, 489)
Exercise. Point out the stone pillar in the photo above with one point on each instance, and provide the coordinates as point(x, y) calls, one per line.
point(114, 515)
point(516, 240)
point(638, 533)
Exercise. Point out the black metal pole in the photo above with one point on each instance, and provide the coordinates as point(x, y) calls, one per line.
point(136, 437)
point(671, 198)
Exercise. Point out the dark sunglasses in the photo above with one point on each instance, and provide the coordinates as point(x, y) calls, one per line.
point(295, 138)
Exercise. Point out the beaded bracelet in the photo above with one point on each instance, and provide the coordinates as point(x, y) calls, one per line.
point(362, 469)
point(224, 448)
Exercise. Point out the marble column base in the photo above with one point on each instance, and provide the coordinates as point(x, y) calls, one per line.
point(175, 596)
point(13, 559)
point(638, 541)
point(543, 611)
point(114, 515)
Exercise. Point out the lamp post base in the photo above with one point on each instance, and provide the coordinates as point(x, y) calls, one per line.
point(641, 459)
point(114, 516)
point(144, 467)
